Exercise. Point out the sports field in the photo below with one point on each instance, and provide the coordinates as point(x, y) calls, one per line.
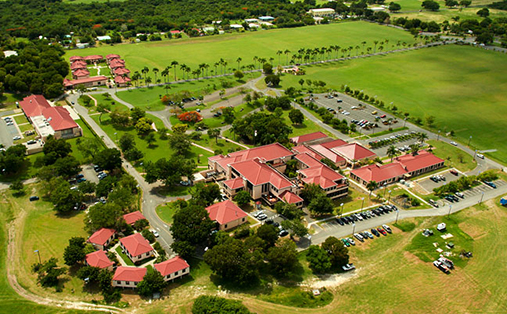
point(464, 88)
point(263, 44)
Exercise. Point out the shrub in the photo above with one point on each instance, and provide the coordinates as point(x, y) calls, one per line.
point(190, 116)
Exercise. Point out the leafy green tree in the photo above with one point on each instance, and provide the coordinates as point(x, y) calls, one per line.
point(180, 143)
point(228, 114)
point(239, 75)
point(152, 282)
point(338, 253)
point(67, 166)
point(148, 235)
point(192, 226)
point(102, 216)
point(318, 259)
point(214, 133)
point(310, 192)
point(127, 142)
point(242, 198)
point(17, 187)
point(205, 194)
point(169, 171)
point(108, 159)
point(269, 234)
point(105, 186)
point(74, 252)
point(12, 160)
point(123, 197)
point(48, 272)
point(289, 211)
point(211, 304)
point(296, 116)
point(261, 128)
point(141, 224)
point(136, 114)
point(321, 205)
point(372, 185)
point(143, 126)
point(273, 80)
point(180, 128)
point(283, 257)
point(296, 227)
point(394, 7)
point(484, 12)
point(430, 5)
point(54, 149)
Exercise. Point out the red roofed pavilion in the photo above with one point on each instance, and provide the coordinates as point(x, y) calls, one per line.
point(173, 268)
point(227, 214)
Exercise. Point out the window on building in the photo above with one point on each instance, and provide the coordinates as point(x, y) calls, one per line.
point(225, 226)
point(127, 282)
point(243, 219)
point(176, 274)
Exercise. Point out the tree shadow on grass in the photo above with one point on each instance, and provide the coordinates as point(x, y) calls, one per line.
point(299, 126)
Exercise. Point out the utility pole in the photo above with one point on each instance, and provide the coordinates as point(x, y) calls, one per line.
point(38, 253)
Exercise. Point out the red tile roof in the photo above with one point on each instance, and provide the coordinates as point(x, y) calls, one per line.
point(321, 175)
point(59, 118)
point(117, 63)
point(121, 71)
point(353, 151)
point(171, 266)
point(80, 72)
point(334, 143)
point(307, 137)
point(94, 57)
point(112, 56)
point(133, 274)
point(266, 152)
point(101, 236)
point(85, 80)
point(136, 244)
point(326, 153)
point(175, 32)
point(34, 105)
point(234, 183)
point(423, 160)
point(290, 198)
point(133, 217)
point(259, 173)
point(379, 173)
point(98, 259)
point(121, 80)
point(304, 149)
point(75, 58)
point(225, 212)
point(308, 160)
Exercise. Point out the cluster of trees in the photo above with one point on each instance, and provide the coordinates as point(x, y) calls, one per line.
point(317, 201)
point(48, 273)
point(206, 304)
point(262, 128)
point(329, 257)
point(12, 160)
point(38, 68)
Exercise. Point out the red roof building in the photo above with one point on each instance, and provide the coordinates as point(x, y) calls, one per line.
point(173, 268)
point(354, 151)
point(121, 72)
point(131, 218)
point(307, 137)
point(99, 259)
point(116, 63)
point(112, 56)
point(128, 277)
point(175, 32)
point(122, 81)
point(334, 184)
point(136, 247)
point(334, 143)
point(75, 58)
point(267, 153)
point(304, 149)
point(382, 174)
point(423, 162)
point(78, 65)
point(59, 118)
point(307, 161)
point(259, 173)
point(326, 153)
point(233, 184)
point(80, 74)
point(102, 237)
point(87, 82)
point(33, 105)
point(94, 58)
point(291, 198)
point(227, 214)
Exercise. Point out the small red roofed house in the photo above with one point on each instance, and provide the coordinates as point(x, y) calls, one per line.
point(111, 57)
point(231, 187)
point(116, 63)
point(128, 277)
point(136, 247)
point(122, 81)
point(78, 65)
point(291, 198)
point(332, 183)
point(99, 259)
point(80, 74)
point(62, 123)
point(75, 58)
point(131, 218)
point(101, 238)
point(173, 268)
point(122, 72)
point(324, 152)
point(227, 214)
point(93, 58)
point(307, 137)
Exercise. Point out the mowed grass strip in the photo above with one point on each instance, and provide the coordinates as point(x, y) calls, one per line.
point(263, 44)
point(462, 87)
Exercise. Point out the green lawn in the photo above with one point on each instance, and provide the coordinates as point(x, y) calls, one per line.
point(353, 201)
point(454, 156)
point(124, 257)
point(460, 86)
point(20, 119)
point(263, 44)
point(166, 212)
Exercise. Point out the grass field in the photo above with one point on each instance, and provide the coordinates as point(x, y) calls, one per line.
point(42, 231)
point(461, 87)
point(166, 212)
point(454, 156)
point(263, 44)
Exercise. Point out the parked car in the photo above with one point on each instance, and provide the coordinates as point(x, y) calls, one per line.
point(481, 156)
point(348, 267)
point(81, 180)
point(34, 198)
point(345, 242)
point(269, 221)
point(359, 237)
point(15, 138)
point(375, 232)
point(387, 228)
point(340, 221)
point(352, 242)
point(79, 176)
point(440, 266)
point(454, 172)
point(433, 203)
point(491, 184)
point(283, 233)
point(262, 216)
point(382, 231)
point(369, 234)
point(454, 143)
point(460, 194)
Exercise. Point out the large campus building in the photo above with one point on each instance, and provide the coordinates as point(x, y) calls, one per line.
point(261, 172)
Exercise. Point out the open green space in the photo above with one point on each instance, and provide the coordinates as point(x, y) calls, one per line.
point(263, 44)
point(123, 256)
point(20, 119)
point(166, 212)
point(354, 201)
point(454, 156)
point(460, 86)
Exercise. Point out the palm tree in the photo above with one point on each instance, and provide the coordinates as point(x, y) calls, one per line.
point(372, 185)
point(165, 73)
point(414, 149)
point(421, 136)
point(286, 52)
point(375, 42)
point(380, 48)
point(148, 81)
point(357, 50)
point(155, 71)
point(255, 61)
point(363, 43)
point(224, 66)
point(145, 71)
point(279, 52)
point(238, 60)
point(187, 70)
point(174, 64)
point(368, 50)
point(206, 66)
point(216, 66)
point(392, 152)
point(183, 66)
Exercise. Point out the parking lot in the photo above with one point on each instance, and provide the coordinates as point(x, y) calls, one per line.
point(8, 131)
point(360, 225)
point(428, 184)
point(478, 190)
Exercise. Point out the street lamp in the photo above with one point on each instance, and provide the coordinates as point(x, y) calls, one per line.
point(384, 194)
point(469, 139)
point(115, 137)
point(405, 122)
point(353, 228)
point(341, 211)
point(389, 196)
point(362, 204)
point(397, 214)
point(482, 195)
point(449, 213)
point(438, 135)
point(38, 253)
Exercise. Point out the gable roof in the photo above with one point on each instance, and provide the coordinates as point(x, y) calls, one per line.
point(171, 266)
point(112, 56)
point(134, 274)
point(234, 183)
point(290, 198)
point(305, 149)
point(75, 58)
point(326, 153)
point(307, 137)
point(334, 143)
point(67, 82)
point(121, 80)
point(136, 244)
point(225, 212)
point(81, 72)
point(266, 152)
point(379, 173)
point(59, 118)
point(121, 71)
point(131, 218)
point(353, 151)
point(101, 236)
point(94, 57)
point(422, 160)
point(321, 175)
point(98, 259)
point(308, 160)
point(258, 173)
point(34, 105)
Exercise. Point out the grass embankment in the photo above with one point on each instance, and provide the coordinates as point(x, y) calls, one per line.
point(263, 44)
point(454, 156)
point(449, 83)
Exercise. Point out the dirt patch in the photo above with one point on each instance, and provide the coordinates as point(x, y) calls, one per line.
point(412, 258)
point(331, 280)
point(472, 230)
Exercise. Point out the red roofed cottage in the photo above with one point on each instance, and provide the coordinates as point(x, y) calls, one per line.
point(136, 247)
point(99, 259)
point(174, 268)
point(227, 214)
point(101, 238)
point(131, 218)
point(128, 277)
